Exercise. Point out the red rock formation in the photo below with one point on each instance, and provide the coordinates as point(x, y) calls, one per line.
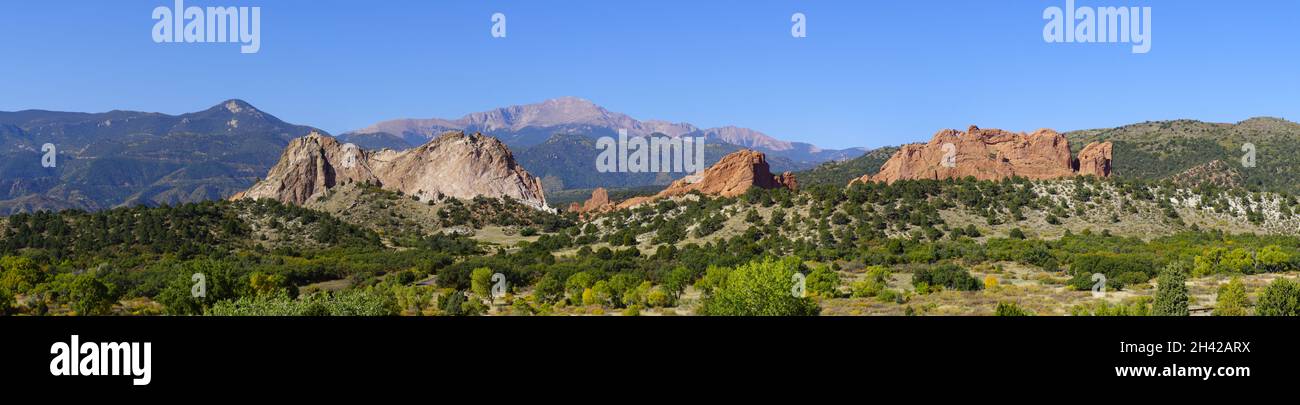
point(599, 202)
point(1094, 159)
point(453, 165)
point(732, 176)
point(990, 154)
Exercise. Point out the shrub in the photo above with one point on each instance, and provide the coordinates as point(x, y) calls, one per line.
point(657, 297)
point(6, 302)
point(1140, 306)
point(891, 295)
point(990, 281)
point(1281, 298)
point(1232, 300)
point(760, 289)
point(873, 284)
point(89, 296)
point(362, 302)
point(480, 281)
point(1010, 309)
point(18, 274)
point(823, 282)
point(948, 276)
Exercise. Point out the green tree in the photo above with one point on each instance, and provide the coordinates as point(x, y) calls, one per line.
point(576, 285)
point(948, 276)
point(1273, 259)
point(19, 274)
point(267, 284)
point(1232, 299)
point(658, 298)
point(6, 302)
point(823, 282)
point(215, 280)
point(480, 281)
point(1171, 293)
point(549, 289)
point(1280, 298)
point(870, 286)
point(89, 296)
point(1239, 260)
point(760, 289)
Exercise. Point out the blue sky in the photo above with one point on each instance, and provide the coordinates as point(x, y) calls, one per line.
point(870, 73)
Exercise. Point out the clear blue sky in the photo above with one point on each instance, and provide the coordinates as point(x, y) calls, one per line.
point(870, 73)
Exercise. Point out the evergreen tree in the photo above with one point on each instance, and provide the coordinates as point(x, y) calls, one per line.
point(1232, 299)
point(1171, 293)
point(1281, 298)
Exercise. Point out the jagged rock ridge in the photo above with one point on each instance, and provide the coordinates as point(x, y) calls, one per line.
point(599, 202)
point(993, 154)
point(732, 176)
point(452, 165)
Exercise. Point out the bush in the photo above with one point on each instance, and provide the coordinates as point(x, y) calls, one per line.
point(1281, 298)
point(823, 282)
point(990, 281)
point(480, 281)
point(760, 289)
point(873, 284)
point(948, 276)
point(658, 298)
point(6, 302)
point(364, 302)
point(89, 296)
point(891, 295)
point(1141, 306)
point(18, 274)
point(1010, 309)
point(1232, 300)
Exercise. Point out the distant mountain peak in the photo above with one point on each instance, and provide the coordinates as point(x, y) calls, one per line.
point(235, 106)
point(570, 101)
point(526, 125)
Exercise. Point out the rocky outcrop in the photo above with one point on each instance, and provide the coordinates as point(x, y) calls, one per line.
point(452, 165)
point(1094, 159)
point(732, 176)
point(992, 154)
point(599, 202)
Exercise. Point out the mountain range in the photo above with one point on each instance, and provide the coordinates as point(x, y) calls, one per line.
point(117, 158)
point(523, 126)
point(124, 158)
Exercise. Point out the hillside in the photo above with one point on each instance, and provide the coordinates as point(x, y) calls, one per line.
point(119, 158)
point(841, 172)
point(1163, 149)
